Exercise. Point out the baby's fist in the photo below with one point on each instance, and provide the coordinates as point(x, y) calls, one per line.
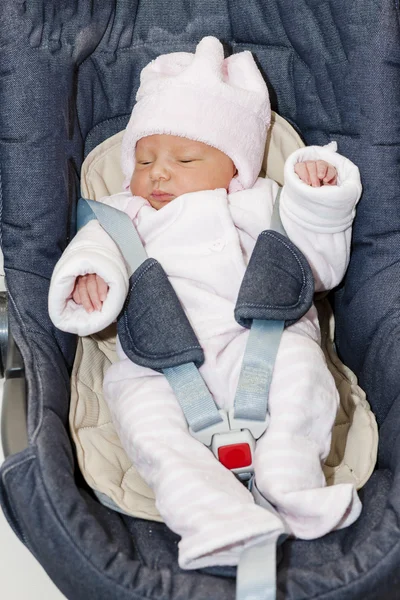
point(90, 291)
point(316, 173)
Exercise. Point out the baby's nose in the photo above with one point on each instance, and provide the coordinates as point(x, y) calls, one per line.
point(159, 171)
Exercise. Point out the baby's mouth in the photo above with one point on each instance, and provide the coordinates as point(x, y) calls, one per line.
point(161, 196)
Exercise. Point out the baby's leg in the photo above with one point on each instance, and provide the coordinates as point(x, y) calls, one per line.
point(303, 403)
point(197, 497)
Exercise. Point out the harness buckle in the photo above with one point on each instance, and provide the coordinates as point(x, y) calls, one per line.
point(233, 441)
point(235, 450)
point(235, 456)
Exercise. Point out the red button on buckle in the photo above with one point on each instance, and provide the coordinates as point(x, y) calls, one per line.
point(235, 456)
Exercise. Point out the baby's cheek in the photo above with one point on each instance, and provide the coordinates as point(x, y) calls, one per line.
point(136, 185)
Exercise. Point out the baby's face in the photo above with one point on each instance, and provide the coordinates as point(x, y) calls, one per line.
point(168, 166)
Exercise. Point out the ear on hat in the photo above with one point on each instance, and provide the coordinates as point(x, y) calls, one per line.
point(210, 53)
point(242, 72)
point(162, 69)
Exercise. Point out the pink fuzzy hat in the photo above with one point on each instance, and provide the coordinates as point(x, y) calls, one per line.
point(204, 97)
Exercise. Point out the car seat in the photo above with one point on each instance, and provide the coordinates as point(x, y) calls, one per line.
point(69, 77)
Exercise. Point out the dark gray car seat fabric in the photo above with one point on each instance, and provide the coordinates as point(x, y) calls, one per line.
point(68, 77)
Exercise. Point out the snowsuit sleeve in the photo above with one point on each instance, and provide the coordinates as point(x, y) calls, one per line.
point(91, 251)
point(319, 220)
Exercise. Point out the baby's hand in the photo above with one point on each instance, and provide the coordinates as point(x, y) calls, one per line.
point(316, 173)
point(90, 291)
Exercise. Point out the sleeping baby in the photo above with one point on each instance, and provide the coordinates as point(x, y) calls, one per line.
point(191, 157)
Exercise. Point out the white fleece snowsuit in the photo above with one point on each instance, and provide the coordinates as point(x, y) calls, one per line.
point(204, 241)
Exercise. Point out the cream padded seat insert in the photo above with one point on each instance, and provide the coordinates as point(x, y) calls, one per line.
point(103, 461)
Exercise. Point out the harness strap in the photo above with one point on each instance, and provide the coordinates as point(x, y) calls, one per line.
point(118, 226)
point(196, 402)
point(276, 223)
point(256, 572)
point(251, 399)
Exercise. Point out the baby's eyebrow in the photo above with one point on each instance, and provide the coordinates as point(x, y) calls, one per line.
point(189, 151)
point(192, 145)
